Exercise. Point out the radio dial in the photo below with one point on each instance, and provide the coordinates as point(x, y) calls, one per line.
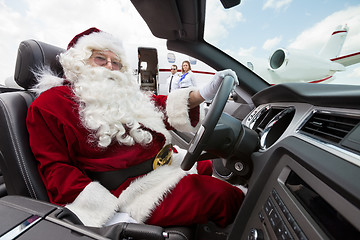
point(255, 234)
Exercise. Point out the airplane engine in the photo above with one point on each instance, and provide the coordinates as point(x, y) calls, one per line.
point(295, 65)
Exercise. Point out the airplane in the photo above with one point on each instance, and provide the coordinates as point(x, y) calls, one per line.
point(294, 147)
point(289, 65)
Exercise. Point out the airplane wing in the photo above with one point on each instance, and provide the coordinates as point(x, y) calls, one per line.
point(348, 60)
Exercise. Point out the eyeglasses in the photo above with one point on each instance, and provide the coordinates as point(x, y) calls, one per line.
point(173, 69)
point(102, 60)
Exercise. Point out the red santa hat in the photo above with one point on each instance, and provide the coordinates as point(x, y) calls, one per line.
point(93, 38)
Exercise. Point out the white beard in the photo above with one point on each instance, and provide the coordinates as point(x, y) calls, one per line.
point(112, 105)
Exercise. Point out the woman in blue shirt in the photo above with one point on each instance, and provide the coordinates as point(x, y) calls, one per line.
point(187, 78)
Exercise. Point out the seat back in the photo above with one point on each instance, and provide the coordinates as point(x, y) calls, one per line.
point(17, 161)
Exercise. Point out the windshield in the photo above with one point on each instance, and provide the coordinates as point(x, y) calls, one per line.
point(290, 41)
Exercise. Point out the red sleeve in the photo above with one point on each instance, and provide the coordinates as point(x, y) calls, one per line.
point(49, 144)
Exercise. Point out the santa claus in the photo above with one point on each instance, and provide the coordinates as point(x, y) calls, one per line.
point(96, 136)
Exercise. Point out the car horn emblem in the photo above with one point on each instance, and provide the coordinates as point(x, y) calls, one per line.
point(163, 157)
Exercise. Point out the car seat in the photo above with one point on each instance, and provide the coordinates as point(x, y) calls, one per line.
point(17, 161)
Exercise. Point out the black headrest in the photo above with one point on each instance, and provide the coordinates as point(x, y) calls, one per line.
point(32, 56)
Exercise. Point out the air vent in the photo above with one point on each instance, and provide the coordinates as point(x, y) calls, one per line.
point(276, 126)
point(329, 127)
point(263, 118)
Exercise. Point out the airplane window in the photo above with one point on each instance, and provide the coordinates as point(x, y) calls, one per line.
point(171, 57)
point(192, 61)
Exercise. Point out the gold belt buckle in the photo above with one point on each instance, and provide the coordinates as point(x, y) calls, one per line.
point(163, 157)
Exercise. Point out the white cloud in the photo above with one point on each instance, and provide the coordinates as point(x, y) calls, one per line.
point(57, 22)
point(246, 52)
point(355, 73)
point(271, 43)
point(350, 76)
point(219, 21)
point(314, 38)
point(277, 4)
point(10, 20)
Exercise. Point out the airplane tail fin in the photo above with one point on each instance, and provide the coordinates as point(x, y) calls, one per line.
point(334, 45)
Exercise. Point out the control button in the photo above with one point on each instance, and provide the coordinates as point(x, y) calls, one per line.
point(268, 206)
point(283, 209)
point(299, 233)
point(274, 218)
point(255, 234)
point(274, 191)
point(302, 236)
point(282, 232)
point(290, 218)
point(261, 216)
point(280, 229)
point(276, 196)
point(294, 225)
point(296, 228)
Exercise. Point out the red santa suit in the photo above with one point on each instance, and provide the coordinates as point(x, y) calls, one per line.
point(66, 152)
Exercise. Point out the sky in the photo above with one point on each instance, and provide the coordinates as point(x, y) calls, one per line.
point(251, 30)
point(255, 28)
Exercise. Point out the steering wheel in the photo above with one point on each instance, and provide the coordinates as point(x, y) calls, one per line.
point(199, 141)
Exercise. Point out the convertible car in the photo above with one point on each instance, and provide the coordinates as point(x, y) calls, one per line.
point(293, 147)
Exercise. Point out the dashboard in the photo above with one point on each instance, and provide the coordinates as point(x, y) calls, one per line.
point(306, 171)
point(332, 129)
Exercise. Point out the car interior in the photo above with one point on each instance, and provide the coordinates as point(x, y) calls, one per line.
point(294, 147)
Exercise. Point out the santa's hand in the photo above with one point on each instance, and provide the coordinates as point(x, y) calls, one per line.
point(208, 92)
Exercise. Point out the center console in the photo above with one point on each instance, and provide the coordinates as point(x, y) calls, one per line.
point(295, 204)
point(25, 218)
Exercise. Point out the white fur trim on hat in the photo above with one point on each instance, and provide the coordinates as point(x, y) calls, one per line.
point(94, 206)
point(101, 41)
point(178, 111)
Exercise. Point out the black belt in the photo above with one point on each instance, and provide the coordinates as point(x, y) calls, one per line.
point(113, 179)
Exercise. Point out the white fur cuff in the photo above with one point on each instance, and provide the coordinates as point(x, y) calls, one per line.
point(178, 111)
point(94, 206)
